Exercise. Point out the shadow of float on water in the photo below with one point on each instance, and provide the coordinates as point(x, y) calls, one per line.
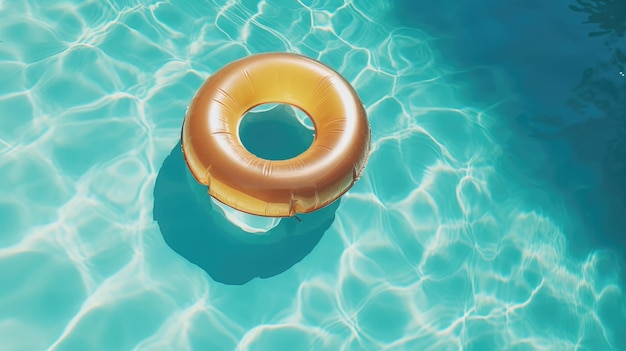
point(193, 228)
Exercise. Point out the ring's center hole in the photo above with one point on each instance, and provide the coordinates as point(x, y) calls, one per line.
point(276, 131)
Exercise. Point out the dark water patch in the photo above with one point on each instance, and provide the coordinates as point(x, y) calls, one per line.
point(563, 123)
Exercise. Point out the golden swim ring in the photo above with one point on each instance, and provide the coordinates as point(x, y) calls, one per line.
point(217, 158)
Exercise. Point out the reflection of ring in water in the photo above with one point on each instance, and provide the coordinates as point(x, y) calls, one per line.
point(276, 188)
point(196, 230)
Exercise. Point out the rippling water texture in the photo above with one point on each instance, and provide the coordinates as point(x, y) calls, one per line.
point(437, 247)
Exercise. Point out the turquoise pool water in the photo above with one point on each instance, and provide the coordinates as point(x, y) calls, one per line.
point(435, 248)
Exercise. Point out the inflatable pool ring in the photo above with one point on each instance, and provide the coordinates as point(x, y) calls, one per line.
point(320, 175)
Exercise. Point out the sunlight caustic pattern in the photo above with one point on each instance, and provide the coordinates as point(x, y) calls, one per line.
point(431, 250)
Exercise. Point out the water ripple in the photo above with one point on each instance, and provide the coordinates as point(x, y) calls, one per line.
point(433, 249)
